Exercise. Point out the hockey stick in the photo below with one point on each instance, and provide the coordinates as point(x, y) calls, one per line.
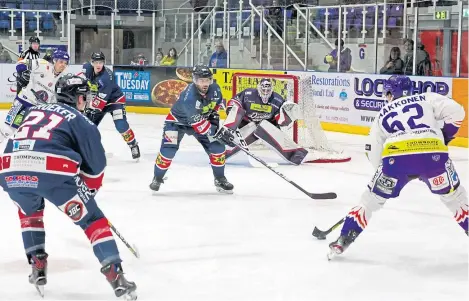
point(132, 248)
point(317, 196)
point(322, 234)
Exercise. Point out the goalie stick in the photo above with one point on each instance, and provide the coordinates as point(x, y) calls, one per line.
point(322, 234)
point(317, 196)
point(132, 248)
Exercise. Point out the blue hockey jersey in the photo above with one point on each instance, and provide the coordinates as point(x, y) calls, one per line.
point(193, 109)
point(53, 143)
point(254, 109)
point(103, 85)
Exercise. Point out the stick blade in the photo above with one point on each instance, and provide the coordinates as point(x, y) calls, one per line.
point(321, 235)
point(323, 196)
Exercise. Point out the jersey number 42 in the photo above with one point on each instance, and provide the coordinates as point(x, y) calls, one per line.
point(407, 118)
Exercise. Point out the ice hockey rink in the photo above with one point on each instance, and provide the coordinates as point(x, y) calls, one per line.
point(256, 244)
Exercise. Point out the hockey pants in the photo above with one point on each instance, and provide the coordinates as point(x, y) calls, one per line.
point(172, 136)
point(74, 199)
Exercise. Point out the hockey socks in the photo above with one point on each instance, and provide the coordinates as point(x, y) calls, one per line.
point(32, 228)
point(104, 245)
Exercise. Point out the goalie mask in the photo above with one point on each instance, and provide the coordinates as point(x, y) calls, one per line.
point(264, 89)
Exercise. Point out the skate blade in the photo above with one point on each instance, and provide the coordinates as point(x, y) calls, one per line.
point(40, 290)
point(130, 296)
point(223, 191)
point(334, 251)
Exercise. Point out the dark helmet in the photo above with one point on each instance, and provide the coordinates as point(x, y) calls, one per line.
point(201, 71)
point(69, 87)
point(34, 40)
point(98, 56)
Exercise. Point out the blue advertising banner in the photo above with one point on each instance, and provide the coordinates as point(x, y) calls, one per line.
point(135, 85)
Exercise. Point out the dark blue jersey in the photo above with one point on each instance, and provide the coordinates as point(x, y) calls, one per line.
point(255, 109)
point(55, 139)
point(103, 85)
point(193, 109)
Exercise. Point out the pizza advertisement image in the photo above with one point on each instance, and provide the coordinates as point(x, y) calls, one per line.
point(165, 84)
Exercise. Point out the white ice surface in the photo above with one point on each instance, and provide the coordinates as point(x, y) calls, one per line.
point(256, 244)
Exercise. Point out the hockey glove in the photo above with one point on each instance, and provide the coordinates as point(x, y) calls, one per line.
point(23, 78)
point(226, 136)
point(214, 119)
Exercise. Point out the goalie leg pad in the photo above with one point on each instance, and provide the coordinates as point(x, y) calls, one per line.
point(247, 132)
point(280, 143)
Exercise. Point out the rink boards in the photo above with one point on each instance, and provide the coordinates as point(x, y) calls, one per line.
point(346, 102)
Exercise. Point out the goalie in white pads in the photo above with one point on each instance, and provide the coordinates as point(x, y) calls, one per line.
point(406, 143)
point(258, 114)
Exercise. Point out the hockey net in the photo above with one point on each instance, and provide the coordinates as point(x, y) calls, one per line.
point(306, 132)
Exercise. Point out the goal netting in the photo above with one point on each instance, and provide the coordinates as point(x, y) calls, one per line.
point(306, 132)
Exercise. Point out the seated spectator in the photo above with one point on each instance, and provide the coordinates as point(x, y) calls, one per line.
point(394, 65)
point(422, 59)
point(139, 60)
point(170, 59)
point(345, 58)
point(5, 55)
point(219, 58)
point(158, 57)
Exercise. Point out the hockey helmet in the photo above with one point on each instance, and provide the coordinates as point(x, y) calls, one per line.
point(98, 56)
point(200, 72)
point(68, 89)
point(34, 39)
point(61, 55)
point(397, 86)
point(264, 88)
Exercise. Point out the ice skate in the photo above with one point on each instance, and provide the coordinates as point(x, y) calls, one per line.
point(121, 286)
point(135, 152)
point(341, 244)
point(156, 183)
point(223, 186)
point(38, 276)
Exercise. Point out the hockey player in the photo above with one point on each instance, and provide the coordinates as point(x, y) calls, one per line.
point(194, 113)
point(57, 155)
point(32, 53)
point(108, 98)
point(406, 143)
point(259, 113)
point(37, 79)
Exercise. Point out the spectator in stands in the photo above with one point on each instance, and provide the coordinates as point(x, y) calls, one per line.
point(139, 60)
point(276, 17)
point(170, 59)
point(5, 55)
point(394, 65)
point(158, 57)
point(219, 58)
point(345, 58)
point(422, 58)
